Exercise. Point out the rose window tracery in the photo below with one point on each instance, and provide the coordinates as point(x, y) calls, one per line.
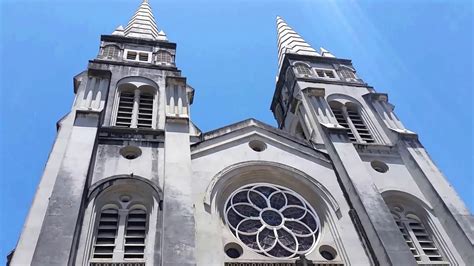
point(272, 220)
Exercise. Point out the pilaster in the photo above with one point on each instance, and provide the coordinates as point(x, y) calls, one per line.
point(58, 234)
point(178, 209)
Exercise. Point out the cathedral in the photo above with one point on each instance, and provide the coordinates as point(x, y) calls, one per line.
point(132, 181)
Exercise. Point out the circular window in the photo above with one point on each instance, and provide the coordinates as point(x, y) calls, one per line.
point(130, 152)
point(379, 166)
point(257, 145)
point(327, 252)
point(233, 250)
point(125, 198)
point(272, 220)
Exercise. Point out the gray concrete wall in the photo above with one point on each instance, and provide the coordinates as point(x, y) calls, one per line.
point(213, 156)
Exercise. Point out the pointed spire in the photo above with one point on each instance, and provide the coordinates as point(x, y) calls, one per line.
point(291, 42)
point(142, 25)
point(325, 53)
point(118, 31)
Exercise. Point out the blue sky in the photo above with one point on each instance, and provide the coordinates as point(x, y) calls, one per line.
point(419, 52)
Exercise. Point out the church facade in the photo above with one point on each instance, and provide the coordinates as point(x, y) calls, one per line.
point(131, 181)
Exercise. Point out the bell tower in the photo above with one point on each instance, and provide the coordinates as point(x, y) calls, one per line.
point(380, 164)
point(102, 196)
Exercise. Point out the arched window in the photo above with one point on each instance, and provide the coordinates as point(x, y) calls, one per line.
point(349, 117)
point(136, 105)
point(347, 73)
point(164, 57)
point(121, 231)
point(303, 69)
point(418, 239)
point(110, 51)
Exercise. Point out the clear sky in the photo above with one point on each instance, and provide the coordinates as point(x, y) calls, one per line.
point(419, 52)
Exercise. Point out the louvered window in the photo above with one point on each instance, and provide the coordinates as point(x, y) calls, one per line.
point(110, 51)
point(343, 122)
point(303, 70)
point(350, 118)
point(106, 233)
point(145, 110)
point(135, 109)
point(416, 236)
point(135, 234)
point(361, 128)
point(125, 109)
point(121, 235)
point(164, 57)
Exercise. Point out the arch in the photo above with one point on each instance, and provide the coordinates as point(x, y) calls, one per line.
point(393, 195)
point(225, 182)
point(105, 183)
point(303, 68)
point(301, 63)
point(137, 203)
point(415, 220)
point(343, 99)
point(137, 82)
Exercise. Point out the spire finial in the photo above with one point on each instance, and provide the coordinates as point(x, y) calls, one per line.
point(142, 25)
point(291, 42)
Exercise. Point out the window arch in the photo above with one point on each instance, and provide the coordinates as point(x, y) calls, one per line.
point(303, 69)
point(110, 51)
point(136, 104)
point(349, 116)
point(164, 57)
point(265, 176)
point(122, 218)
point(347, 73)
point(418, 238)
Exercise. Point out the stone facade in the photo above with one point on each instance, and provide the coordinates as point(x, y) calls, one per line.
point(132, 181)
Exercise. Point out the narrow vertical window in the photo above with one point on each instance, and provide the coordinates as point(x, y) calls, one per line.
point(350, 118)
point(354, 115)
point(145, 110)
point(106, 233)
point(135, 234)
point(341, 119)
point(125, 109)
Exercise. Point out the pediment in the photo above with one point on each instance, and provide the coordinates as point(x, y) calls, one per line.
point(244, 132)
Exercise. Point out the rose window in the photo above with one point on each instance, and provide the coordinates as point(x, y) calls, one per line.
point(272, 220)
